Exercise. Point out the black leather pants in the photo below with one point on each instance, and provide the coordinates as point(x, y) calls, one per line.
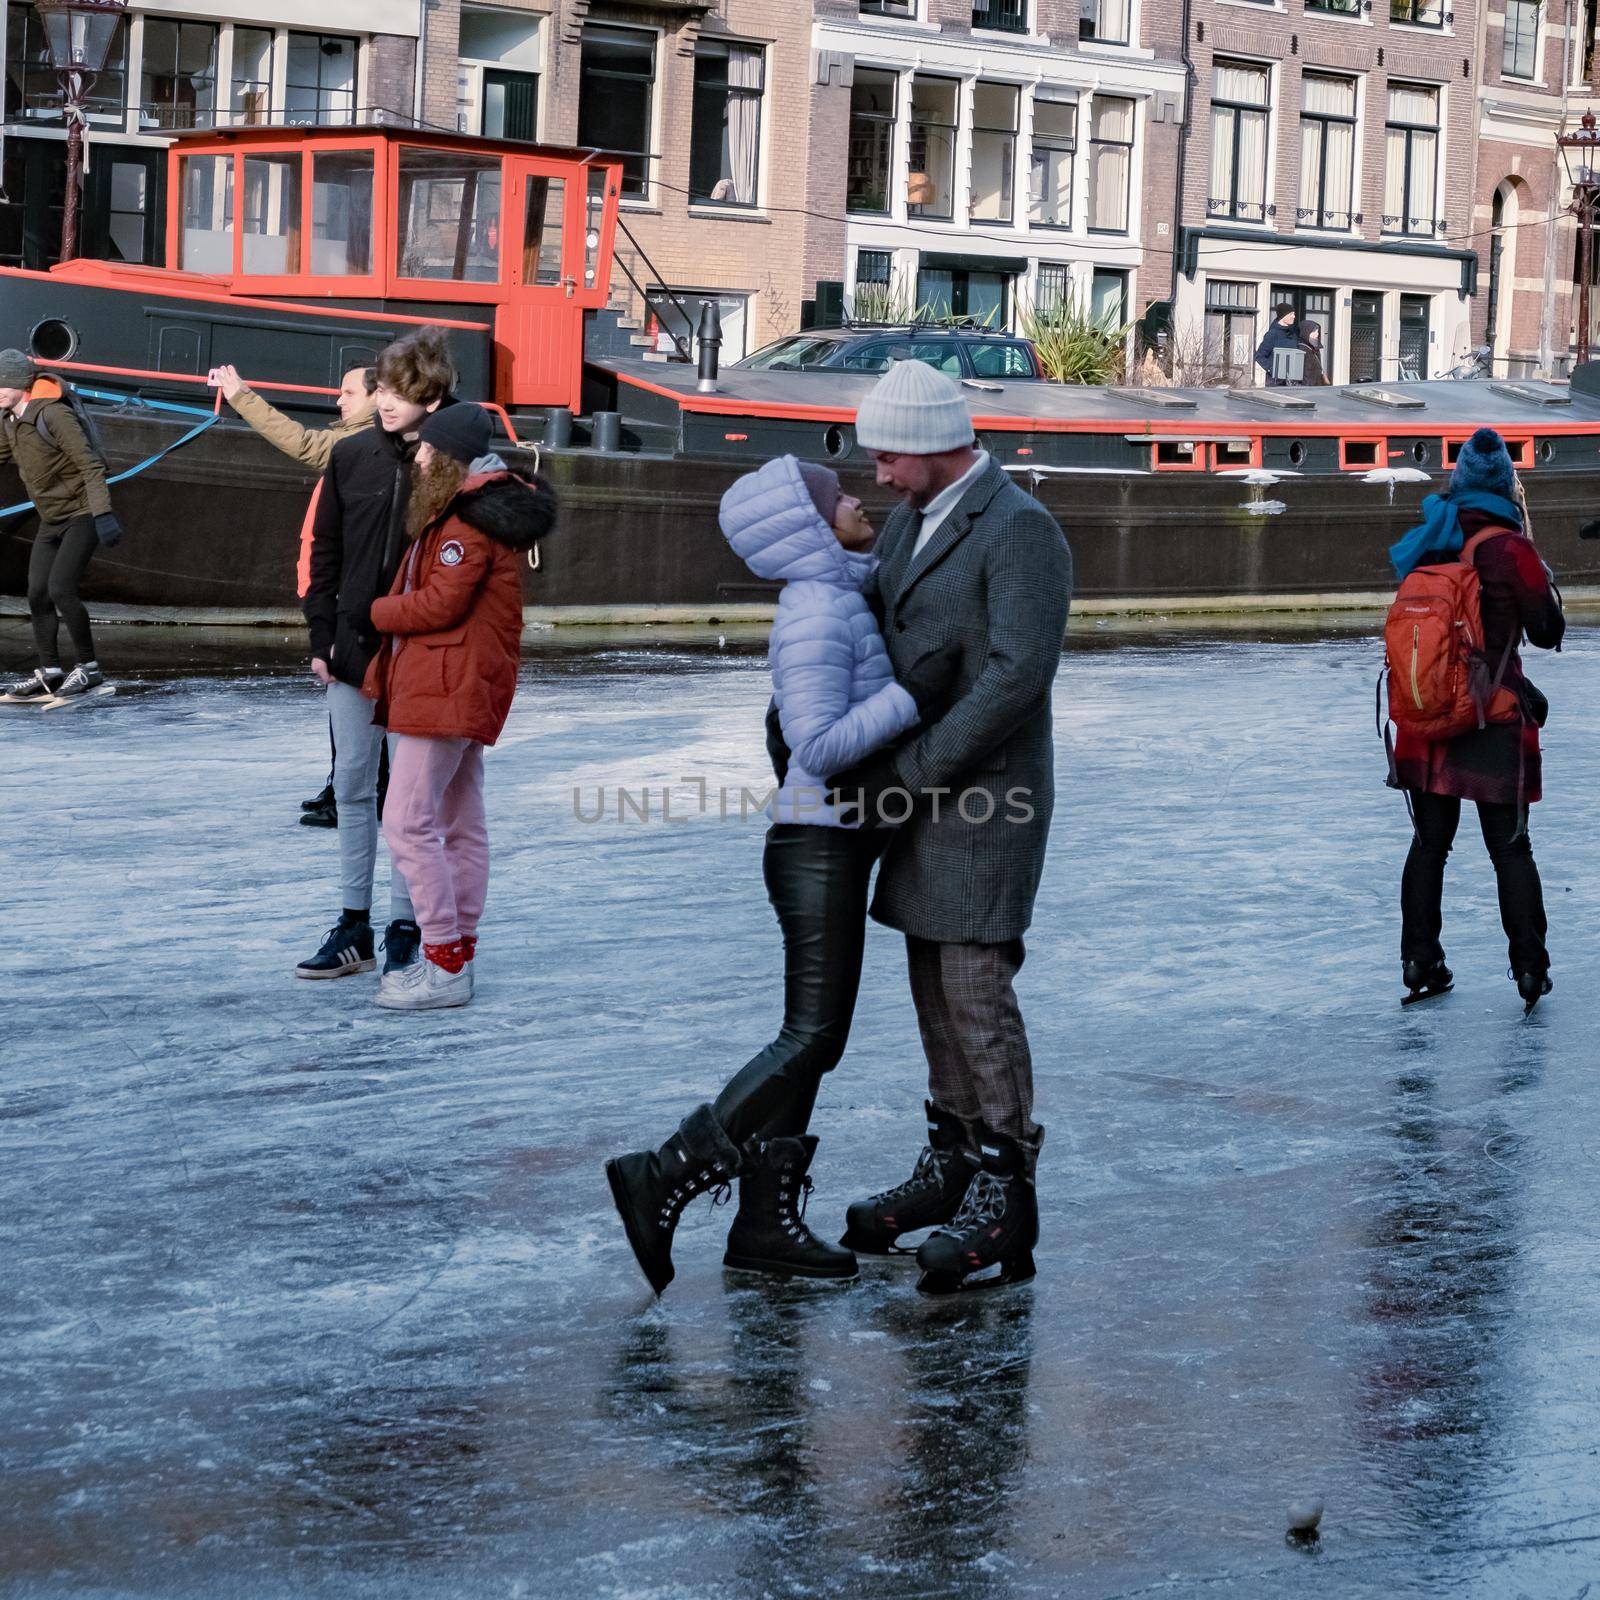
point(817, 880)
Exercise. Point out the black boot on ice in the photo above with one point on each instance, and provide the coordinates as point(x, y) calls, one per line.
point(651, 1187)
point(1423, 980)
point(1533, 987)
point(770, 1233)
point(930, 1196)
point(991, 1238)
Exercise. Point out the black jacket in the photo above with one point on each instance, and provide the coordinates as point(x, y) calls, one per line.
point(1277, 337)
point(357, 541)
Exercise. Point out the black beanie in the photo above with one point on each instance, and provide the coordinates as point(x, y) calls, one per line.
point(462, 431)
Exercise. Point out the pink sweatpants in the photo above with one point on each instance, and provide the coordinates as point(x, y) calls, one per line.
point(434, 824)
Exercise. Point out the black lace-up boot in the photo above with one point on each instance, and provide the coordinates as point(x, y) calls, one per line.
point(930, 1196)
point(770, 1233)
point(651, 1187)
point(991, 1238)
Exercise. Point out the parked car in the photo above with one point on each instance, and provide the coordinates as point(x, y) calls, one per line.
point(961, 352)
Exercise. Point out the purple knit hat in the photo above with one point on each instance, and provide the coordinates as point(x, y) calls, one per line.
point(822, 484)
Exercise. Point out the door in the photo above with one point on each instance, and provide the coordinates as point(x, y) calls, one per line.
point(35, 184)
point(510, 105)
point(122, 205)
point(1413, 336)
point(1311, 305)
point(1366, 336)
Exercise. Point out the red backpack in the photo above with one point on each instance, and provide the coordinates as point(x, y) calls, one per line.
point(1440, 683)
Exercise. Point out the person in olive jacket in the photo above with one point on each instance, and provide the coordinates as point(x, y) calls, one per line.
point(66, 480)
point(358, 538)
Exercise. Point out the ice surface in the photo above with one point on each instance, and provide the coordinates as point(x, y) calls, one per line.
point(306, 1299)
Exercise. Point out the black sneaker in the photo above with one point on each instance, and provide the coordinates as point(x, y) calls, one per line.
point(320, 801)
point(321, 817)
point(80, 681)
point(347, 949)
point(402, 943)
point(40, 685)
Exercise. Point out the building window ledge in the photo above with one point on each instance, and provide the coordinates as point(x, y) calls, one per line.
point(729, 214)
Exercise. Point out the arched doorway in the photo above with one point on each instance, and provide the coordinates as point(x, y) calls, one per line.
point(1500, 298)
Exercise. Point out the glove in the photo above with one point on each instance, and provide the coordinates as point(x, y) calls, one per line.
point(858, 792)
point(930, 679)
point(777, 750)
point(107, 529)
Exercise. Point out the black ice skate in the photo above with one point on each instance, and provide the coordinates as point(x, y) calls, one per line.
point(990, 1241)
point(1424, 982)
point(322, 812)
point(770, 1233)
point(930, 1196)
point(651, 1187)
point(1533, 987)
point(44, 684)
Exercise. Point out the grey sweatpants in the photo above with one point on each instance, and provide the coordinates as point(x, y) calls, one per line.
point(355, 790)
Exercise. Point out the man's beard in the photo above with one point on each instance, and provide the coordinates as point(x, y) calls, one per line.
point(432, 490)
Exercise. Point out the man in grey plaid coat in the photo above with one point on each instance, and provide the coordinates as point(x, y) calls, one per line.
point(976, 575)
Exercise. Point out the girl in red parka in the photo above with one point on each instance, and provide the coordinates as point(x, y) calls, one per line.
point(1497, 767)
point(444, 682)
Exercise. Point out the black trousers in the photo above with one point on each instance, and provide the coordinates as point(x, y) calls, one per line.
point(61, 554)
point(817, 880)
point(1516, 875)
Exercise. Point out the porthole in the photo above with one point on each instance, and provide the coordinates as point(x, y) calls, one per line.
point(53, 340)
point(837, 442)
point(1546, 451)
point(1420, 452)
point(1297, 453)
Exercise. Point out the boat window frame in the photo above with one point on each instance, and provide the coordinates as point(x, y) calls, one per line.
point(495, 291)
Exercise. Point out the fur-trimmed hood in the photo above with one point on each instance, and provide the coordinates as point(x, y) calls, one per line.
point(512, 508)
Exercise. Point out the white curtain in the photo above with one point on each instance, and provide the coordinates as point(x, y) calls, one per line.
point(1394, 177)
point(1414, 103)
point(1340, 177)
point(1422, 175)
point(1252, 190)
point(1233, 81)
point(1333, 97)
point(1110, 170)
point(1111, 21)
point(743, 136)
point(1221, 155)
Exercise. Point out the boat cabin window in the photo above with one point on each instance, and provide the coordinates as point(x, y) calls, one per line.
point(541, 234)
point(596, 216)
point(341, 214)
point(271, 215)
point(207, 244)
point(449, 221)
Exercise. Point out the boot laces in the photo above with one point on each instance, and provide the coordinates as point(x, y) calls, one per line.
point(721, 1191)
point(927, 1170)
point(794, 1219)
point(985, 1203)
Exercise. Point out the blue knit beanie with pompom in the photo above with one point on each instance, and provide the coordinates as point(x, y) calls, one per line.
point(1484, 466)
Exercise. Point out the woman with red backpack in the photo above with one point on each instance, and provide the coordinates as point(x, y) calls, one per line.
point(1480, 523)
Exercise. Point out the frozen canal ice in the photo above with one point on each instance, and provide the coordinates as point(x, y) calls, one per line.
point(306, 1299)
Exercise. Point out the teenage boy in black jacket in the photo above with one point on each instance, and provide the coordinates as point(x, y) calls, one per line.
point(357, 541)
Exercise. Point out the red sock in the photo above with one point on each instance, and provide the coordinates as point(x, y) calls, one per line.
point(452, 957)
point(469, 943)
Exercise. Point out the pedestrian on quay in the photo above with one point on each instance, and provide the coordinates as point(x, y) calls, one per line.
point(357, 540)
point(66, 480)
point(837, 700)
point(1280, 335)
point(311, 447)
point(1481, 519)
point(444, 680)
point(1314, 373)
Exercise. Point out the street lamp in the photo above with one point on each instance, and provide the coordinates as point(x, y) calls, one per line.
point(78, 34)
point(1580, 155)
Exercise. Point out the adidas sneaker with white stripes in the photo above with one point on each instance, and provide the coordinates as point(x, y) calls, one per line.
point(347, 949)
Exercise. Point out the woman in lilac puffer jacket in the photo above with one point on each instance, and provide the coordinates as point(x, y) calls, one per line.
point(837, 702)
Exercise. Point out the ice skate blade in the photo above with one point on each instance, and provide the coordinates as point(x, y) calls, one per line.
point(783, 1269)
point(1417, 996)
point(868, 1246)
point(60, 702)
point(619, 1198)
point(1020, 1269)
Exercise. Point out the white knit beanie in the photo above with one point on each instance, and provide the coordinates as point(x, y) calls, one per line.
point(913, 411)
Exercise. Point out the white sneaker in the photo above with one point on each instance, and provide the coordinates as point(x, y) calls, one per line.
point(424, 987)
point(393, 981)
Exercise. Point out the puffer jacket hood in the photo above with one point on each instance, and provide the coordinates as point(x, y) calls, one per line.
point(774, 527)
point(511, 509)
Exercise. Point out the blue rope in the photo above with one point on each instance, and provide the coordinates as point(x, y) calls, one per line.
point(211, 419)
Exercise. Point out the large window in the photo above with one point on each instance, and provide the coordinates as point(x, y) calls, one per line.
point(617, 75)
point(1239, 112)
point(1053, 286)
point(1055, 145)
point(872, 114)
point(179, 85)
point(1411, 160)
point(321, 79)
point(252, 75)
point(1009, 16)
point(1522, 38)
point(994, 151)
point(1418, 13)
point(1110, 163)
point(270, 222)
point(725, 141)
point(931, 183)
point(1230, 339)
point(207, 240)
point(1104, 21)
point(449, 216)
point(341, 214)
point(888, 8)
point(1327, 151)
point(32, 90)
